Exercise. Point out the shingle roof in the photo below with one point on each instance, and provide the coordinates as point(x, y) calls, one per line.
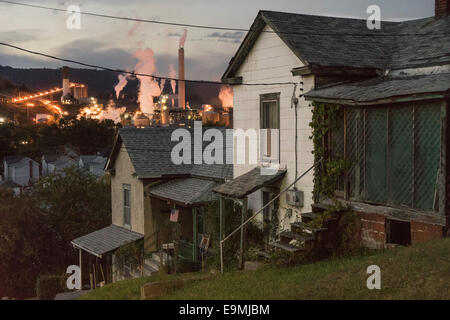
point(150, 152)
point(248, 183)
point(8, 184)
point(106, 240)
point(17, 161)
point(332, 41)
point(188, 191)
point(382, 88)
point(344, 42)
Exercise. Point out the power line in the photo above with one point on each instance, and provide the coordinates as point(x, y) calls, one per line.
point(134, 73)
point(176, 24)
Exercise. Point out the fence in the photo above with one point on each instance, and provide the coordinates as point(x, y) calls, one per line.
point(394, 154)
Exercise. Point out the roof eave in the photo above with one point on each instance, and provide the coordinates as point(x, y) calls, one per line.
point(387, 100)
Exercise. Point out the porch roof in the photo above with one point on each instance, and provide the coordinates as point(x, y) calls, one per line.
point(383, 89)
point(106, 240)
point(188, 191)
point(248, 183)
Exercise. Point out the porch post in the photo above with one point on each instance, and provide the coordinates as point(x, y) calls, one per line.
point(194, 237)
point(81, 267)
point(243, 218)
point(221, 214)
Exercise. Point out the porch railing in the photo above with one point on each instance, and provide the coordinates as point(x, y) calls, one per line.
point(261, 210)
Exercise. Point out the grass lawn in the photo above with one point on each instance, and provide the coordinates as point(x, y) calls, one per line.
point(416, 272)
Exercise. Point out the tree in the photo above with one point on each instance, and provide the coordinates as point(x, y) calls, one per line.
point(76, 203)
point(27, 245)
point(37, 227)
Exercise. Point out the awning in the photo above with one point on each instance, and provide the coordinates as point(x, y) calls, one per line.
point(383, 90)
point(248, 183)
point(106, 240)
point(188, 191)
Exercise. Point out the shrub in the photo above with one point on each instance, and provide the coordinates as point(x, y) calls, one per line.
point(185, 266)
point(48, 286)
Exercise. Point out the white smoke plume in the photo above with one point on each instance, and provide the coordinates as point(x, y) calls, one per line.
point(148, 87)
point(183, 39)
point(123, 80)
point(112, 113)
point(162, 84)
point(173, 75)
point(134, 28)
point(226, 96)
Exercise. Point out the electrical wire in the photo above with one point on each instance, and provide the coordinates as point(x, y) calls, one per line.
point(177, 24)
point(135, 74)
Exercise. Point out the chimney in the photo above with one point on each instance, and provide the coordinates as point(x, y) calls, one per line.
point(442, 9)
point(65, 84)
point(181, 82)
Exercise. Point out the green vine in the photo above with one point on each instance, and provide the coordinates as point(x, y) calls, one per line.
point(132, 253)
point(327, 174)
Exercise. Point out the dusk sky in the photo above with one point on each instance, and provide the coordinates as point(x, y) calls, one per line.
point(111, 43)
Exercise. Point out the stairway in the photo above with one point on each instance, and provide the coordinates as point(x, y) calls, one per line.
point(153, 264)
point(301, 237)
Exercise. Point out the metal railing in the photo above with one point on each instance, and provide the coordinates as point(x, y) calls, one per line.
point(261, 210)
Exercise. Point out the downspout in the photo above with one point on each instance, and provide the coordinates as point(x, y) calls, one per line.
point(294, 105)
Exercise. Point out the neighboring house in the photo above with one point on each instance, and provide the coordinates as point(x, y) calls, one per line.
point(19, 172)
point(56, 163)
point(94, 164)
point(146, 186)
point(401, 70)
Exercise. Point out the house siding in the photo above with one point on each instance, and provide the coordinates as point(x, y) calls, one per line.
point(124, 170)
point(270, 60)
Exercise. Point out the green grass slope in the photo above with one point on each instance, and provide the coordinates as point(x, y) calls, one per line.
point(417, 272)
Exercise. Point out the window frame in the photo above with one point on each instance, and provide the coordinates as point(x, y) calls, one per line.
point(126, 188)
point(268, 155)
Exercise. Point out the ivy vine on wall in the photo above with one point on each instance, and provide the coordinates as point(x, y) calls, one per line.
point(328, 172)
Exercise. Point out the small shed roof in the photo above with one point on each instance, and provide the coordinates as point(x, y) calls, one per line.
point(376, 90)
point(188, 191)
point(106, 240)
point(8, 184)
point(248, 183)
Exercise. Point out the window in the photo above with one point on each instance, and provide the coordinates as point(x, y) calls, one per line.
point(266, 211)
point(127, 205)
point(398, 232)
point(394, 153)
point(270, 124)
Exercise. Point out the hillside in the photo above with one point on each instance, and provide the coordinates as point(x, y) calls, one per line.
point(417, 272)
point(100, 83)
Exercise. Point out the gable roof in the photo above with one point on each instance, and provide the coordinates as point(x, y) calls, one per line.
point(345, 42)
point(18, 161)
point(150, 152)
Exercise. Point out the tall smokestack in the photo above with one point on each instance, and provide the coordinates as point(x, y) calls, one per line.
point(181, 82)
point(65, 84)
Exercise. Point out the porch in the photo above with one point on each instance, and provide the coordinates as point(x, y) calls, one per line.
point(96, 253)
point(175, 217)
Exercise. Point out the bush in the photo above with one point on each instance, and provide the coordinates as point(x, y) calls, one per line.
point(185, 266)
point(48, 286)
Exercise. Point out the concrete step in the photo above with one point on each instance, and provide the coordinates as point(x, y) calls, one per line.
point(148, 270)
point(303, 227)
point(152, 263)
point(286, 247)
point(287, 236)
point(308, 216)
point(157, 256)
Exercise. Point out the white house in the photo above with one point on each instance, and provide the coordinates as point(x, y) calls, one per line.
point(19, 172)
point(94, 164)
point(266, 57)
point(56, 163)
point(288, 61)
